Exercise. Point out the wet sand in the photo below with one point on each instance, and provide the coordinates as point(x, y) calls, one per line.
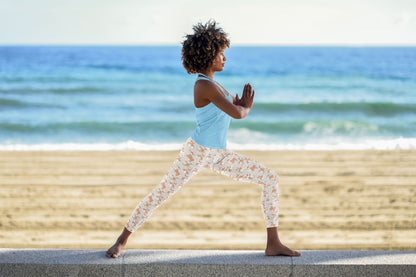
point(333, 200)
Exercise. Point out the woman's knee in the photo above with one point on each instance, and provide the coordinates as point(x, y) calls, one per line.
point(271, 177)
point(275, 177)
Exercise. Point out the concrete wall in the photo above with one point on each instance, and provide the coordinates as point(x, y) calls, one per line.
point(54, 262)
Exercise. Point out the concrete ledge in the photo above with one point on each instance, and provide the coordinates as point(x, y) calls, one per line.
point(54, 262)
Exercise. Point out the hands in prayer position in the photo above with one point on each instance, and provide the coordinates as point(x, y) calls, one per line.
point(247, 99)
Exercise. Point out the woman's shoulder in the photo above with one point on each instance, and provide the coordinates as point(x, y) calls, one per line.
point(205, 86)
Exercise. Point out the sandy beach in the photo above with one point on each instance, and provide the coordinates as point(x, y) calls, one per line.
point(349, 200)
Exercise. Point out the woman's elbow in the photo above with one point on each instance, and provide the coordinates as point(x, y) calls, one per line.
point(237, 116)
point(240, 114)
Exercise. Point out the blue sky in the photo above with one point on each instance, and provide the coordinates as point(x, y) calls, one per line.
point(248, 22)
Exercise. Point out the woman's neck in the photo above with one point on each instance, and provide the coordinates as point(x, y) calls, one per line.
point(208, 73)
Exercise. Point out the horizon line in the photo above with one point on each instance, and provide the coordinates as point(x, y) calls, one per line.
point(178, 45)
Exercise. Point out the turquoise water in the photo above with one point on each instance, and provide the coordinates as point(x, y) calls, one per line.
point(114, 97)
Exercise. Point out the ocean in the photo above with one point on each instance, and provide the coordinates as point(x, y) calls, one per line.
point(141, 98)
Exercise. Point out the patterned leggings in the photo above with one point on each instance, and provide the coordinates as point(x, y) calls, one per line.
point(191, 160)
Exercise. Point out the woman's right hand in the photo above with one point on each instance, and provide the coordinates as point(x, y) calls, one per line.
point(248, 97)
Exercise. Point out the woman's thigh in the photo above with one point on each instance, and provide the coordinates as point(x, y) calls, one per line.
point(243, 168)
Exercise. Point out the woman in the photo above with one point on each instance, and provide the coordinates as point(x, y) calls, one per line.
point(203, 53)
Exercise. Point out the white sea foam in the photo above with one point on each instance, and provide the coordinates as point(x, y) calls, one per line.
point(381, 144)
point(393, 144)
point(124, 146)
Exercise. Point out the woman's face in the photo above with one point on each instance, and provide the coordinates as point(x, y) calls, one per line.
point(219, 61)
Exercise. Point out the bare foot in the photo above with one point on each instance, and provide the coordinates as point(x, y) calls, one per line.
point(281, 250)
point(115, 250)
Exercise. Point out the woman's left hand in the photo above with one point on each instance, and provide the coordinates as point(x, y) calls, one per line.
point(247, 99)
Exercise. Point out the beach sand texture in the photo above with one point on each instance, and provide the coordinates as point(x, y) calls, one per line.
point(350, 200)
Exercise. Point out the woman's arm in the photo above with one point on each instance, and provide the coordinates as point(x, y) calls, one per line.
point(205, 92)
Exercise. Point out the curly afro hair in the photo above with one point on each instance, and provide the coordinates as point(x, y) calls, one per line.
point(200, 49)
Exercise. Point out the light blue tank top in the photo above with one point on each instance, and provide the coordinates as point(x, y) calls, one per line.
point(211, 123)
